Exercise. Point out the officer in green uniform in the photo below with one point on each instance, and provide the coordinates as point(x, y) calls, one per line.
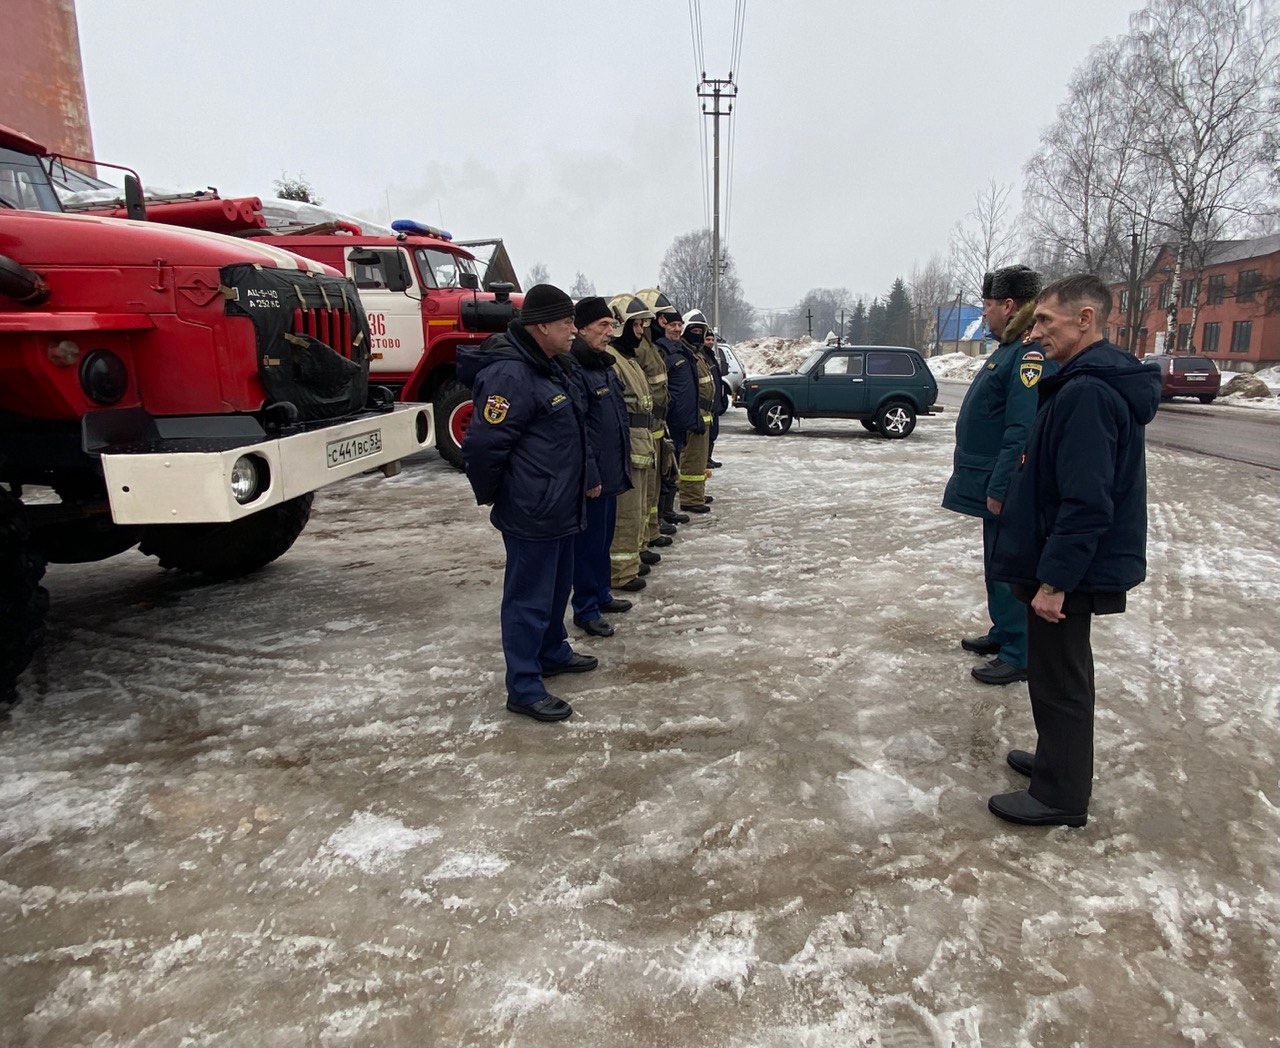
point(990, 433)
point(630, 535)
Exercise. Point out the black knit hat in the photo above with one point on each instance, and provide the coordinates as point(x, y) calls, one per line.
point(1016, 282)
point(589, 310)
point(545, 304)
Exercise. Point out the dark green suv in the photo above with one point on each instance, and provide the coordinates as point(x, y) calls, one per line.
point(884, 387)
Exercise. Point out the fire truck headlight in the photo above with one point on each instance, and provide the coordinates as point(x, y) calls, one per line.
point(104, 377)
point(248, 477)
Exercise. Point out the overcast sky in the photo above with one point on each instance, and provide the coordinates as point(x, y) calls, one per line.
point(571, 128)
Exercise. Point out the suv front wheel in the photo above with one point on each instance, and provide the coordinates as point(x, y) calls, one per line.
point(896, 420)
point(773, 417)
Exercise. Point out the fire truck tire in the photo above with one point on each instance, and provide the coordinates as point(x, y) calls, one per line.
point(228, 551)
point(453, 413)
point(23, 601)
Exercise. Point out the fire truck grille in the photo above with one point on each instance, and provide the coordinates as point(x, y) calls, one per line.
point(330, 326)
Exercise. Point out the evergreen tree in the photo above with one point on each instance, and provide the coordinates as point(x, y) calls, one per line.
point(898, 315)
point(299, 189)
point(857, 324)
point(877, 324)
point(581, 287)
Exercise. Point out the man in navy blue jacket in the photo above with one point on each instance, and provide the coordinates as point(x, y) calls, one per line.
point(526, 455)
point(608, 463)
point(683, 416)
point(1072, 537)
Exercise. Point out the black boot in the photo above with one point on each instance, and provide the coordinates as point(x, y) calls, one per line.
point(667, 510)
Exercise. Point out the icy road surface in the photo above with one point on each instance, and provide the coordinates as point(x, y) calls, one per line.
point(292, 810)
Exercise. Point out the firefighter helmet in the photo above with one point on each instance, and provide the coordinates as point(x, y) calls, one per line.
point(657, 301)
point(626, 308)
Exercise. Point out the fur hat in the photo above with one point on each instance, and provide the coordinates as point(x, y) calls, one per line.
point(1019, 283)
point(545, 304)
point(590, 309)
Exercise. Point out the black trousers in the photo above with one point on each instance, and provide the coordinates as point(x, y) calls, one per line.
point(1060, 679)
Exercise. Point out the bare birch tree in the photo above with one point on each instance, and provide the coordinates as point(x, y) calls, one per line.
point(930, 288)
point(1207, 71)
point(685, 275)
point(984, 240)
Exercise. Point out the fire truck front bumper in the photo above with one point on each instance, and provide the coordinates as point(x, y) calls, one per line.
point(200, 481)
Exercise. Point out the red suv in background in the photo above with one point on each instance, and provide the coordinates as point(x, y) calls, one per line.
point(1187, 377)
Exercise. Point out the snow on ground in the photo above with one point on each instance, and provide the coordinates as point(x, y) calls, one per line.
point(292, 810)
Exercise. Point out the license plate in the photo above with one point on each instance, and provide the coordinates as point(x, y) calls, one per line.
point(362, 445)
point(1196, 378)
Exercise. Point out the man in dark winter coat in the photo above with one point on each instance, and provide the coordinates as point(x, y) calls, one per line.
point(608, 462)
point(990, 433)
point(1072, 537)
point(683, 416)
point(526, 455)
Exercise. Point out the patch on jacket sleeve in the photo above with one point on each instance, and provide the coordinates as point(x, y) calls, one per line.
point(496, 408)
point(1030, 368)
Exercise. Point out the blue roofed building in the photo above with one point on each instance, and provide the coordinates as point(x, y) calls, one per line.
point(959, 329)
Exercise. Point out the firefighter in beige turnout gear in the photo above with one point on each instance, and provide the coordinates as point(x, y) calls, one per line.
point(650, 358)
point(631, 533)
point(693, 460)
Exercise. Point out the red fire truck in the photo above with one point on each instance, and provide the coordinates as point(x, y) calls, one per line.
point(177, 390)
point(420, 290)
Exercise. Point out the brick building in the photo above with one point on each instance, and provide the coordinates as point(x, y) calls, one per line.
point(1238, 294)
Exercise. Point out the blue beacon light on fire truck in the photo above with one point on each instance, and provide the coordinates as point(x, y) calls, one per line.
point(408, 225)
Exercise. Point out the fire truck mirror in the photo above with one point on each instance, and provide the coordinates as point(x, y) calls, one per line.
point(134, 199)
point(469, 281)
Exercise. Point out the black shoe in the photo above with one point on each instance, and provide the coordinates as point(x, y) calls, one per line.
point(548, 709)
point(1021, 761)
point(708, 499)
point(647, 556)
point(981, 645)
point(713, 464)
point(616, 606)
point(1024, 809)
point(665, 530)
point(701, 508)
point(595, 627)
point(643, 570)
point(576, 664)
point(662, 540)
point(676, 518)
point(634, 586)
point(997, 671)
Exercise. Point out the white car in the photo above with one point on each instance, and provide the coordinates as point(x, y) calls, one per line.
point(734, 374)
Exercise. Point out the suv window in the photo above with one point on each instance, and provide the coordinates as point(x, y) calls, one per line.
point(1181, 365)
point(843, 364)
point(890, 364)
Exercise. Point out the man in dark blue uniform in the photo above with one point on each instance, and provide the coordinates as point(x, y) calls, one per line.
point(526, 455)
point(990, 433)
point(683, 417)
point(1072, 537)
point(608, 463)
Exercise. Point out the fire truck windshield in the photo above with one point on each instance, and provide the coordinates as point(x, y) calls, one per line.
point(442, 268)
point(24, 184)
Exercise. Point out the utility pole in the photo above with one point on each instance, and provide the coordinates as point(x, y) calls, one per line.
point(717, 91)
point(1132, 311)
point(808, 315)
point(956, 316)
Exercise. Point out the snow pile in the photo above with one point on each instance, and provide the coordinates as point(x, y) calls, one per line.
point(373, 842)
point(764, 356)
point(958, 366)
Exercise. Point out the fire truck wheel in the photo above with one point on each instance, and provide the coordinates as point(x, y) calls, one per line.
point(227, 551)
point(23, 601)
point(453, 415)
